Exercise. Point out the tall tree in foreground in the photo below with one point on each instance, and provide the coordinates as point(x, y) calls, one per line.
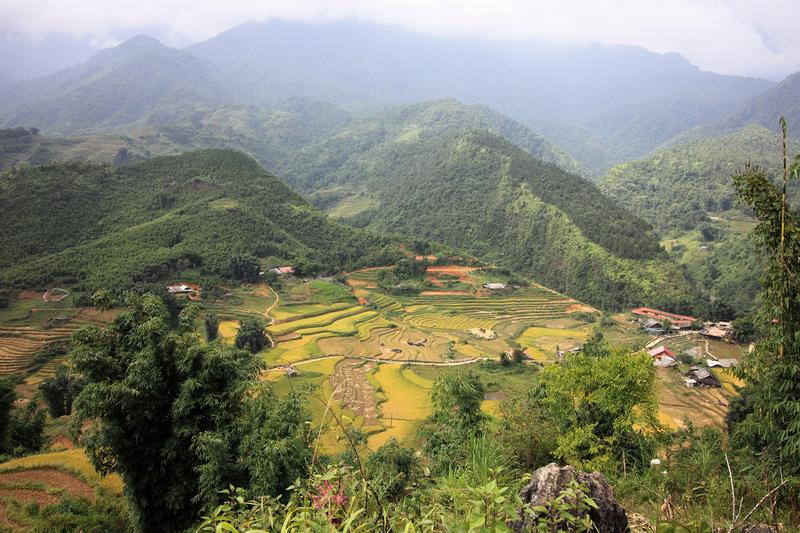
point(772, 371)
point(155, 397)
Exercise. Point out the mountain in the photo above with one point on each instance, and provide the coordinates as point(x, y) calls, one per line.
point(677, 188)
point(633, 98)
point(85, 226)
point(478, 192)
point(116, 87)
point(340, 165)
point(687, 193)
point(766, 108)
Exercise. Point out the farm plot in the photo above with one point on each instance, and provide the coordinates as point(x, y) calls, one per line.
point(21, 340)
point(316, 321)
point(676, 401)
point(354, 391)
point(406, 406)
point(542, 343)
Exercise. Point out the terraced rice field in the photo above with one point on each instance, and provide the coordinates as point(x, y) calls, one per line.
point(21, 340)
point(406, 406)
point(702, 406)
point(315, 321)
point(543, 342)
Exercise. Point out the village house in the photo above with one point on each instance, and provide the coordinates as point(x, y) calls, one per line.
point(722, 363)
point(179, 289)
point(702, 377)
point(661, 351)
point(184, 289)
point(494, 286)
point(663, 357)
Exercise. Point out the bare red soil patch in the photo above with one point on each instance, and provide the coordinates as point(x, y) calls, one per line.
point(74, 486)
point(461, 272)
point(579, 308)
point(29, 295)
point(288, 337)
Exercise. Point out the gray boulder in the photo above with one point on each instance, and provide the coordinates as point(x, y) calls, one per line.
point(548, 482)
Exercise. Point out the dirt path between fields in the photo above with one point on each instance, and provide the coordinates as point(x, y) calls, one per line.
point(460, 362)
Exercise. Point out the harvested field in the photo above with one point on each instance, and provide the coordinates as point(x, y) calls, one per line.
point(353, 391)
point(702, 406)
point(21, 340)
point(460, 272)
point(71, 484)
point(73, 460)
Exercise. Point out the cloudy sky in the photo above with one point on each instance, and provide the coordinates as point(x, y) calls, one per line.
point(748, 37)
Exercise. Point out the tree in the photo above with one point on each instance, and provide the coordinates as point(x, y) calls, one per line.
point(251, 335)
point(602, 406)
point(771, 370)
point(391, 469)
point(7, 398)
point(245, 268)
point(153, 395)
point(104, 299)
point(456, 418)
point(211, 323)
point(60, 391)
point(27, 429)
point(275, 450)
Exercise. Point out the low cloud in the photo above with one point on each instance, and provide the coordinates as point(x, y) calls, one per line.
point(749, 37)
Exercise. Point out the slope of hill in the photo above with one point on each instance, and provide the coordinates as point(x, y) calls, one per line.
point(687, 193)
point(84, 225)
point(765, 109)
point(633, 98)
point(114, 88)
point(478, 192)
point(345, 159)
point(677, 188)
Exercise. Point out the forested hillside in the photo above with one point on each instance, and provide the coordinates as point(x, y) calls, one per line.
point(340, 164)
point(677, 188)
point(687, 193)
point(478, 192)
point(85, 225)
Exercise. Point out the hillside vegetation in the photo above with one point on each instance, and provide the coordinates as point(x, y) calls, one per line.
point(96, 225)
point(688, 195)
point(677, 188)
point(479, 193)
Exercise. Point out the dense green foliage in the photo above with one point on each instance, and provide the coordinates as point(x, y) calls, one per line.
point(343, 162)
point(251, 335)
point(90, 226)
point(604, 405)
point(59, 391)
point(156, 399)
point(456, 419)
point(678, 188)
point(686, 192)
point(771, 371)
point(479, 193)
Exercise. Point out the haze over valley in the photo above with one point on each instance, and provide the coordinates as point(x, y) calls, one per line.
point(375, 267)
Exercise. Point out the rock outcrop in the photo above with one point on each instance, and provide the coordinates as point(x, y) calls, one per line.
point(549, 481)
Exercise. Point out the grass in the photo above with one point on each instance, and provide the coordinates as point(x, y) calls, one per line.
point(326, 292)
